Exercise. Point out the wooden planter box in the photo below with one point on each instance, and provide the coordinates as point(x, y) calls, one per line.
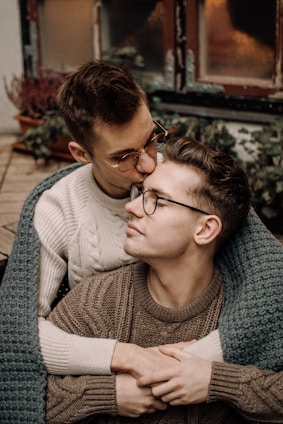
point(59, 150)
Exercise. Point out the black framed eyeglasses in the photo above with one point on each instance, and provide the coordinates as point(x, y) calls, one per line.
point(129, 160)
point(150, 201)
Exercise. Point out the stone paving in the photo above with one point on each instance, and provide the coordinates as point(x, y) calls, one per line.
point(19, 173)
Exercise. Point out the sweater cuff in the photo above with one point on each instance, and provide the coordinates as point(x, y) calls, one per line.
point(224, 382)
point(92, 356)
point(65, 353)
point(209, 347)
point(101, 396)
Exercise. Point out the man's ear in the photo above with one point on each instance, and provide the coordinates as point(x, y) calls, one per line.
point(208, 228)
point(78, 152)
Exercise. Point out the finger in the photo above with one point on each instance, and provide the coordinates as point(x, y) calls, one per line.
point(150, 380)
point(159, 404)
point(172, 397)
point(178, 354)
point(177, 402)
point(162, 390)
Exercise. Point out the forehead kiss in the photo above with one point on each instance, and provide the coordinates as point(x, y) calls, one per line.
point(172, 179)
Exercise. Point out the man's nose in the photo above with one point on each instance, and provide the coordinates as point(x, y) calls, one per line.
point(146, 163)
point(134, 207)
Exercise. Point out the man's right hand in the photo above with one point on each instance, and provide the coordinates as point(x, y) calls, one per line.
point(134, 401)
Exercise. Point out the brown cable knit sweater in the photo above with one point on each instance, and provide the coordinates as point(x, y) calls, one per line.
point(129, 314)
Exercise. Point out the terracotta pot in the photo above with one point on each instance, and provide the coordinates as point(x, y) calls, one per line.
point(26, 122)
point(59, 149)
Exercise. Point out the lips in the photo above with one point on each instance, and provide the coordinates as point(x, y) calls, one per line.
point(132, 229)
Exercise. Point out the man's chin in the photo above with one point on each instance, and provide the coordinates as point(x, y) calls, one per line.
point(131, 250)
point(127, 249)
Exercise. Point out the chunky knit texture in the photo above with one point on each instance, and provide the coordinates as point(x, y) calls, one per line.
point(22, 374)
point(131, 315)
point(81, 231)
point(250, 325)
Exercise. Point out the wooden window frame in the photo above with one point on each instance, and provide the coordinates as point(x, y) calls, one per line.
point(181, 35)
point(241, 88)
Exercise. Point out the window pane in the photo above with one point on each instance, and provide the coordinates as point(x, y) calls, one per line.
point(66, 33)
point(132, 35)
point(238, 38)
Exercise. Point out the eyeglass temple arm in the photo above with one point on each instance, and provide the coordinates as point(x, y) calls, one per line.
point(183, 204)
point(161, 127)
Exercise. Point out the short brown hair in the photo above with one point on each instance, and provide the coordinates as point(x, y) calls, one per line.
point(225, 191)
point(97, 91)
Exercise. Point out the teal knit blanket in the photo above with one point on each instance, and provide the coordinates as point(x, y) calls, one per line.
point(250, 324)
point(22, 373)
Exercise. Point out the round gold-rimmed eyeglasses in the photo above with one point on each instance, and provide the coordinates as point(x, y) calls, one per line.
point(129, 160)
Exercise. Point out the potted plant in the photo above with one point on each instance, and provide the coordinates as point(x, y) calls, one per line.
point(35, 99)
point(264, 165)
point(265, 171)
point(212, 132)
point(50, 138)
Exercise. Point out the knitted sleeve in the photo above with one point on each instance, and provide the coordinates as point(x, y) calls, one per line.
point(72, 398)
point(55, 220)
point(251, 323)
point(208, 347)
point(22, 393)
point(256, 394)
point(50, 224)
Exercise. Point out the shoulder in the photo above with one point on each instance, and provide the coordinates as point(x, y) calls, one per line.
point(107, 288)
point(70, 192)
point(81, 178)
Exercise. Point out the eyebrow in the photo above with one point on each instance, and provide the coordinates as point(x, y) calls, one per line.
point(158, 192)
point(125, 151)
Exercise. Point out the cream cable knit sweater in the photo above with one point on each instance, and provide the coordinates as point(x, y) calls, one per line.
point(83, 230)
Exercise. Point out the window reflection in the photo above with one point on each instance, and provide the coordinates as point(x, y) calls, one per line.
point(238, 38)
point(66, 39)
point(132, 35)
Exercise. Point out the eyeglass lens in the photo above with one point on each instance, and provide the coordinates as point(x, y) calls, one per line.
point(149, 200)
point(129, 161)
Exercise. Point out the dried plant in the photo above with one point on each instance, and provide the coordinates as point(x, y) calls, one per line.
point(33, 96)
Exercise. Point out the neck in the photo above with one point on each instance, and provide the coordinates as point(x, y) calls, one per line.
point(110, 188)
point(178, 286)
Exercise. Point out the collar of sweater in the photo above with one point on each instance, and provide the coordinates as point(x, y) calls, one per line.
point(174, 314)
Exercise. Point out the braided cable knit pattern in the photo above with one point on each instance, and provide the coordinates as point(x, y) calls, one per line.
point(252, 266)
point(22, 374)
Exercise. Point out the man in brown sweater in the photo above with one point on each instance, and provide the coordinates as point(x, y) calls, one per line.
point(190, 205)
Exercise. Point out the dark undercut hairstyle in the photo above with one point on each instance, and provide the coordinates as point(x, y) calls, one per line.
point(224, 190)
point(97, 92)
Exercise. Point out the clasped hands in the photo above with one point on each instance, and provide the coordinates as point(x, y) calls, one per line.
point(149, 379)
